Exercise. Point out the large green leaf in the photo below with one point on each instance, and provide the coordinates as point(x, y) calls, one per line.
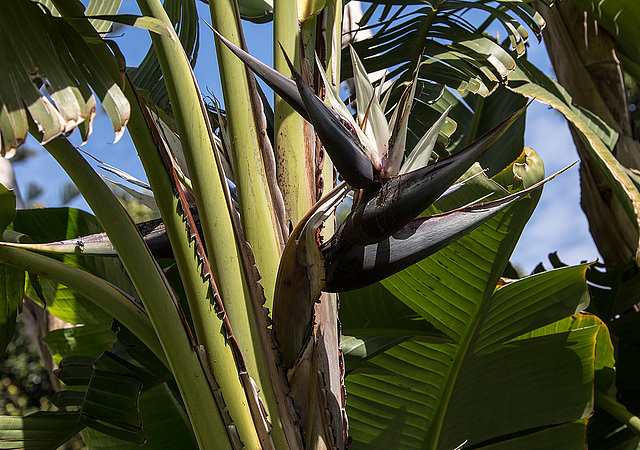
point(479, 387)
point(599, 138)
point(99, 7)
point(111, 405)
point(164, 420)
point(388, 323)
point(11, 291)
point(449, 48)
point(257, 11)
point(568, 436)
point(81, 340)
point(42, 430)
point(110, 402)
point(30, 39)
point(614, 291)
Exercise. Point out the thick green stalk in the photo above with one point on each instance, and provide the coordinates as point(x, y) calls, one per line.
point(209, 189)
point(295, 150)
point(104, 295)
point(154, 292)
point(256, 212)
point(618, 411)
point(206, 322)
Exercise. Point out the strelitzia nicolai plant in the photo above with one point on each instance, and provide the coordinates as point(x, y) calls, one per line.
point(389, 197)
point(239, 386)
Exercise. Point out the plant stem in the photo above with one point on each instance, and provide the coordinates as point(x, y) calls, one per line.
point(256, 212)
point(154, 292)
point(214, 206)
point(207, 324)
point(618, 411)
point(294, 152)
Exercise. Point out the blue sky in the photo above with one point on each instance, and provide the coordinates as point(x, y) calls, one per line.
point(558, 223)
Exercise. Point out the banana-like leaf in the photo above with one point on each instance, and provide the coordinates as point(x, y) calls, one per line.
point(158, 405)
point(256, 11)
point(600, 138)
point(101, 7)
point(30, 40)
point(613, 291)
point(137, 350)
point(389, 323)
point(42, 430)
point(381, 213)
point(569, 436)
point(11, 291)
point(7, 207)
point(439, 395)
point(110, 403)
point(164, 420)
point(437, 35)
point(147, 23)
point(88, 340)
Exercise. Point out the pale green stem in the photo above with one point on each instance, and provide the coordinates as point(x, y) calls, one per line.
point(209, 188)
point(618, 411)
point(294, 153)
point(154, 293)
point(256, 211)
point(207, 324)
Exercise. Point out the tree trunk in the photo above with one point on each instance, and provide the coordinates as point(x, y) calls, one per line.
point(586, 64)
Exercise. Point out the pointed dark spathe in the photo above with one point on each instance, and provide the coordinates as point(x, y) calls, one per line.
point(351, 266)
point(283, 86)
point(342, 144)
point(382, 212)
